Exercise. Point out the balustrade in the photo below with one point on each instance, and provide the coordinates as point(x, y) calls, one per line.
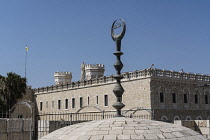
point(127, 76)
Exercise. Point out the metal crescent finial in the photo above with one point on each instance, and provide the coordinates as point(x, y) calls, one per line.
point(118, 89)
point(121, 35)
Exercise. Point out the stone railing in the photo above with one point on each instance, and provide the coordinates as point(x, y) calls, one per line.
point(180, 75)
point(128, 76)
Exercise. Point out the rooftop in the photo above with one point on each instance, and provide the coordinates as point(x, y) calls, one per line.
point(145, 73)
point(123, 129)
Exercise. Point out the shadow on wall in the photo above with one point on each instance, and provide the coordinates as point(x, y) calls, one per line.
point(200, 126)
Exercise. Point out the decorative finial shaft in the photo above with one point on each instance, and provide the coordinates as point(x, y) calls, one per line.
point(118, 89)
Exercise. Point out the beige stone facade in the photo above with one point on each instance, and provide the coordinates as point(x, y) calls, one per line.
point(170, 95)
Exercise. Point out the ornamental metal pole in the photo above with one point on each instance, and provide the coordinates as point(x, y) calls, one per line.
point(118, 89)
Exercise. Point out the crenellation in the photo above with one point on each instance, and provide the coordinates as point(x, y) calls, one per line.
point(138, 74)
point(142, 89)
point(62, 73)
point(62, 77)
point(91, 71)
point(96, 66)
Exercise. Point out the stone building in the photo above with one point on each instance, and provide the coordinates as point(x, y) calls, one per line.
point(170, 95)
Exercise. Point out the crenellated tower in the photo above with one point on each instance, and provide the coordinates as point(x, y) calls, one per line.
point(62, 77)
point(90, 71)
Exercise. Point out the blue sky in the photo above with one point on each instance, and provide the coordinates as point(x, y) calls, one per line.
point(61, 34)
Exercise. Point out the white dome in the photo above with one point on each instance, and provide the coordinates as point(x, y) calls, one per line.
point(123, 129)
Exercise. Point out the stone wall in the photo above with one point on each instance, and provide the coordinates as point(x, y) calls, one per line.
point(179, 88)
point(169, 110)
point(142, 89)
point(19, 129)
point(180, 114)
point(137, 94)
point(201, 126)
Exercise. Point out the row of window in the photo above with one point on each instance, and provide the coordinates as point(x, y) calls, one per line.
point(185, 99)
point(73, 105)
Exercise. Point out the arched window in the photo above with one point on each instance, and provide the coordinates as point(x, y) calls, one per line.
point(188, 118)
point(105, 100)
point(196, 96)
point(176, 118)
point(88, 100)
point(41, 106)
point(199, 118)
point(66, 103)
point(206, 97)
point(59, 104)
point(185, 96)
point(161, 95)
point(164, 118)
point(73, 102)
point(174, 96)
point(97, 100)
point(80, 102)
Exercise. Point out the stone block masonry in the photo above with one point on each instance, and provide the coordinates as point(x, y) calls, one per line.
point(201, 126)
point(170, 94)
point(19, 129)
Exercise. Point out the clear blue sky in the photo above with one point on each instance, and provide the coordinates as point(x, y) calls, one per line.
point(61, 34)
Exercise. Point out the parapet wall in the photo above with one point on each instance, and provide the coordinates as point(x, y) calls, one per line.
point(94, 66)
point(62, 74)
point(145, 73)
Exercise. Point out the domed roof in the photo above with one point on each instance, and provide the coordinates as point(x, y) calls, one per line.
point(123, 129)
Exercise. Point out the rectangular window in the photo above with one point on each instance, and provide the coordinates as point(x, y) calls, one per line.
point(52, 104)
point(185, 98)
point(66, 103)
point(46, 104)
point(161, 97)
point(80, 102)
point(40, 106)
point(173, 97)
point(97, 100)
point(59, 104)
point(105, 100)
point(196, 99)
point(20, 116)
point(73, 102)
point(206, 99)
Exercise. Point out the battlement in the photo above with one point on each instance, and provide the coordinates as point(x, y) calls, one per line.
point(145, 73)
point(62, 77)
point(94, 66)
point(62, 74)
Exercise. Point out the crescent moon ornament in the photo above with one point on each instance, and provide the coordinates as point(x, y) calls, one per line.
point(118, 25)
point(118, 89)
